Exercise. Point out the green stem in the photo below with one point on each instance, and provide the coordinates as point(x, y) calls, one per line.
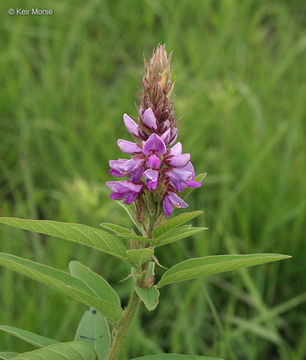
point(125, 325)
point(130, 312)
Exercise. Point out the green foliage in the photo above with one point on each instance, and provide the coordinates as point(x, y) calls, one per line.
point(169, 225)
point(175, 357)
point(93, 329)
point(78, 233)
point(62, 282)
point(7, 355)
point(178, 233)
point(27, 336)
point(117, 229)
point(139, 256)
point(68, 351)
point(209, 265)
point(240, 75)
point(148, 296)
point(95, 282)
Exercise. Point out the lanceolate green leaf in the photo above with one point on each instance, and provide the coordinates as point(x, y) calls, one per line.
point(132, 236)
point(61, 351)
point(178, 234)
point(93, 329)
point(175, 357)
point(148, 296)
point(117, 229)
point(199, 267)
point(99, 286)
point(188, 191)
point(129, 211)
point(169, 225)
point(7, 355)
point(28, 336)
point(63, 282)
point(139, 256)
point(82, 234)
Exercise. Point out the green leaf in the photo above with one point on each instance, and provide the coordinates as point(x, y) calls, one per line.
point(63, 282)
point(28, 336)
point(82, 234)
point(169, 225)
point(199, 267)
point(178, 234)
point(135, 237)
point(96, 282)
point(188, 191)
point(93, 329)
point(7, 355)
point(148, 296)
point(175, 357)
point(74, 350)
point(139, 256)
point(117, 229)
point(129, 211)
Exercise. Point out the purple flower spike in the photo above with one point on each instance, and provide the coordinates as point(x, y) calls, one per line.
point(151, 177)
point(130, 124)
point(172, 199)
point(154, 161)
point(154, 145)
point(128, 147)
point(149, 119)
point(124, 190)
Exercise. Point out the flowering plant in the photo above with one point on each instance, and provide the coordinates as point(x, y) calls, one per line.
point(157, 178)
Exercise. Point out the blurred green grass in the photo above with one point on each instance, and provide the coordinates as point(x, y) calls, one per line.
point(240, 89)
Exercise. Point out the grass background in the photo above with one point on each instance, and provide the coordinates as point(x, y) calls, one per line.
point(240, 89)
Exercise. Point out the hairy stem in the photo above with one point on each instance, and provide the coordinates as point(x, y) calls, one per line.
point(125, 325)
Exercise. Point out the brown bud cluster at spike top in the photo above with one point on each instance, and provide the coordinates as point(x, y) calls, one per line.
point(157, 87)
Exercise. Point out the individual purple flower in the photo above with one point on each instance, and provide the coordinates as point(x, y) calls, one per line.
point(131, 126)
point(170, 200)
point(151, 177)
point(133, 168)
point(128, 147)
point(124, 190)
point(149, 119)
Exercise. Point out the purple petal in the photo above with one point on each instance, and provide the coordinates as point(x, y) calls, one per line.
point(173, 136)
point(116, 196)
point(166, 136)
point(130, 197)
point(123, 186)
point(130, 124)
point(193, 184)
point(178, 161)
point(130, 165)
point(137, 174)
point(116, 173)
point(176, 200)
point(179, 174)
point(154, 144)
point(176, 149)
point(128, 146)
point(149, 119)
point(151, 177)
point(167, 206)
point(153, 161)
point(178, 185)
